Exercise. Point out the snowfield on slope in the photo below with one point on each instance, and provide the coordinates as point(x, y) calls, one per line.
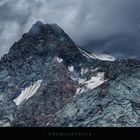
point(95, 81)
point(103, 57)
point(86, 85)
point(91, 84)
point(27, 93)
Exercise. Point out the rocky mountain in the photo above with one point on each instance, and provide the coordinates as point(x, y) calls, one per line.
point(46, 80)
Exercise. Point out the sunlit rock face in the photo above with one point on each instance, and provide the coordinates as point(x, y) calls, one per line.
point(46, 80)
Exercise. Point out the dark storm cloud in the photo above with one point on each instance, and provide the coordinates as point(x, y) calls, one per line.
point(14, 16)
point(111, 26)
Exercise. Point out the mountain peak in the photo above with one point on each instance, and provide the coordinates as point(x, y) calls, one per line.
point(39, 27)
point(35, 29)
point(45, 40)
point(38, 23)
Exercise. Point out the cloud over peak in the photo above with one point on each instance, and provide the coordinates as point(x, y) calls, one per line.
point(82, 20)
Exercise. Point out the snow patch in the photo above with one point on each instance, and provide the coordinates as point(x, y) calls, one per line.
point(71, 68)
point(81, 81)
point(95, 81)
point(27, 93)
point(87, 85)
point(87, 55)
point(80, 90)
point(48, 123)
point(84, 71)
point(84, 84)
point(59, 59)
point(103, 57)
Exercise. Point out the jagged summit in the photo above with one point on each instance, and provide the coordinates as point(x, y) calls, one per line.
point(45, 40)
point(35, 29)
point(38, 23)
point(39, 27)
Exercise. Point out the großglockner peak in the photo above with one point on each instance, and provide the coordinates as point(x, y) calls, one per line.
point(47, 40)
point(46, 80)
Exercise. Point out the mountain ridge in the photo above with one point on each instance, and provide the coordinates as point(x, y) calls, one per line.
point(46, 81)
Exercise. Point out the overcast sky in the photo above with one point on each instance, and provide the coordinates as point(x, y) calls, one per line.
point(110, 26)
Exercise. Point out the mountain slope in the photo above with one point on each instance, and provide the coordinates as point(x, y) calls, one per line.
point(116, 103)
point(35, 57)
point(45, 80)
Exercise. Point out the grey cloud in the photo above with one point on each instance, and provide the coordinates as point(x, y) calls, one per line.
point(110, 26)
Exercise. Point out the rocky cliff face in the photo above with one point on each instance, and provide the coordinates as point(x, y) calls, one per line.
point(116, 103)
point(46, 80)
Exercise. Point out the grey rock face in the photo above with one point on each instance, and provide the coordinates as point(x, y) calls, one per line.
point(31, 59)
point(56, 91)
point(113, 104)
point(47, 53)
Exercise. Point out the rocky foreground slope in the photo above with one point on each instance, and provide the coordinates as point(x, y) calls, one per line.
point(47, 81)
